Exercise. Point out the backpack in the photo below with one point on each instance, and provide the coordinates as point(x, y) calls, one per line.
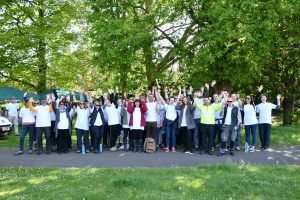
point(149, 145)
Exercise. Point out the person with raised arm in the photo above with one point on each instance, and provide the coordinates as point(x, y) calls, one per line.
point(43, 123)
point(137, 122)
point(264, 110)
point(152, 110)
point(171, 122)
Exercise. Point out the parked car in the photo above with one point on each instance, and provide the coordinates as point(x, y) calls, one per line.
point(5, 126)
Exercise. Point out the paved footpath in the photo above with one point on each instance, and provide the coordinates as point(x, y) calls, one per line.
point(121, 159)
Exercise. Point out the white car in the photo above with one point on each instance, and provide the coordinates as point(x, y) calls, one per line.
point(5, 126)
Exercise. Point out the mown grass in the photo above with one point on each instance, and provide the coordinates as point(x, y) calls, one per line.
point(205, 182)
point(280, 136)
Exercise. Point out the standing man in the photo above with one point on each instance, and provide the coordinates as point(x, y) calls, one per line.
point(151, 122)
point(12, 110)
point(43, 123)
point(230, 124)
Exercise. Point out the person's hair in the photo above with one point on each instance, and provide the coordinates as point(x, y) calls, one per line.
point(251, 100)
point(137, 100)
point(188, 102)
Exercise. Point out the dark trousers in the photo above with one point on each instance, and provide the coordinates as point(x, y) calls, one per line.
point(137, 134)
point(85, 134)
point(26, 129)
point(114, 133)
point(187, 133)
point(131, 139)
point(151, 129)
point(97, 136)
point(62, 140)
point(52, 134)
point(217, 134)
point(264, 134)
point(207, 133)
point(125, 136)
point(39, 135)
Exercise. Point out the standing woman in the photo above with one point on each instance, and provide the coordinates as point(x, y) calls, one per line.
point(137, 122)
point(62, 125)
point(186, 122)
point(125, 116)
point(82, 126)
point(264, 109)
point(250, 121)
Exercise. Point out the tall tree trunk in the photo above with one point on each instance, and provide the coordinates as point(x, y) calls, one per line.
point(288, 108)
point(41, 52)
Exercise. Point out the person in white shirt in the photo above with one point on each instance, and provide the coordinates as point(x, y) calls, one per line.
point(43, 123)
point(151, 123)
point(12, 114)
point(264, 109)
point(171, 123)
point(137, 122)
point(250, 121)
point(82, 126)
point(62, 126)
point(113, 123)
point(28, 121)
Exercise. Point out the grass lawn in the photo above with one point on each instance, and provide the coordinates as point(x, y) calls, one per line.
point(205, 182)
point(280, 135)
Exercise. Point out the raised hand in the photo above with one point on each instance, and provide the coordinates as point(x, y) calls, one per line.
point(125, 95)
point(278, 97)
point(213, 83)
point(117, 89)
point(206, 85)
point(260, 88)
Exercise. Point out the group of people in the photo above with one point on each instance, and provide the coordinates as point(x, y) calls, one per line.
point(205, 118)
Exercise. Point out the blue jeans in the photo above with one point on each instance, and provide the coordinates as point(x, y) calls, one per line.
point(264, 134)
point(197, 133)
point(238, 138)
point(251, 129)
point(157, 136)
point(85, 134)
point(171, 130)
point(97, 136)
point(24, 131)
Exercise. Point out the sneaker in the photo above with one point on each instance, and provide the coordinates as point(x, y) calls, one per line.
point(213, 148)
point(237, 148)
point(87, 151)
point(220, 154)
point(18, 152)
point(173, 149)
point(232, 153)
point(38, 153)
point(188, 152)
point(48, 152)
point(252, 149)
point(95, 151)
point(78, 151)
point(261, 148)
point(167, 150)
point(121, 147)
point(266, 148)
point(113, 149)
point(210, 153)
point(30, 151)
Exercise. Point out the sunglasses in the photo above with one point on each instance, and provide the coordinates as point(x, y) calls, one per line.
point(97, 105)
point(248, 98)
point(229, 101)
point(81, 103)
point(61, 104)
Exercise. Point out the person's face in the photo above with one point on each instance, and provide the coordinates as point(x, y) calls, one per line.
point(172, 100)
point(233, 96)
point(206, 101)
point(43, 102)
point(137, 104)
point(81, 105)
point(216, 97)
point(230, 102)
point(248, 100)
point(151, 98)
point(263, 99)
point(61, 105)
point(126, 103)
point(97, 105)
point(119, 101)
point(185, 101)
point(13, 100)
point(27, 104)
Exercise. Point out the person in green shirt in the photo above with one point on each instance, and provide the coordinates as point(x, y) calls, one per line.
point(207, 123)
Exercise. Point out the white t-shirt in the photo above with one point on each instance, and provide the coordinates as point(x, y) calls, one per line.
point(27, 116)
point(63, 123)
point(249, 115)
point(171, 113)
point(128, 120)
point(82, 121)
point(98, 121)
point(265, 112)
point(151, 112)
point(43, 118)
point(136, 123)
point(228, 116)
point(112, 114)
point(183, 121)
point(12, 109)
